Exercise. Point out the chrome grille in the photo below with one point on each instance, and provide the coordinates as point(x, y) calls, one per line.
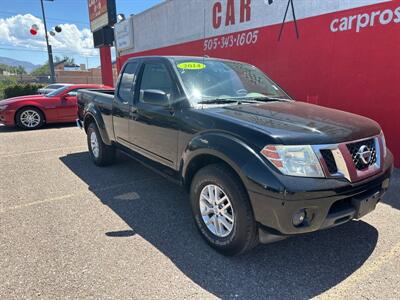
point(342, 161)
point(355, 147)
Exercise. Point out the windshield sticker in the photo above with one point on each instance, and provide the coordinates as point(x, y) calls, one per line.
point(191, 66)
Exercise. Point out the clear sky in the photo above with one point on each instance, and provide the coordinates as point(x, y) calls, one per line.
point(57, 12)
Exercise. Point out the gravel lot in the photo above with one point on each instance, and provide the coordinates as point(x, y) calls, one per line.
point(69, 229)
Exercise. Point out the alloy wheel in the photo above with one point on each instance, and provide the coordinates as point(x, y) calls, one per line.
point(30, 118)
point(216, 210)
point(94, 144)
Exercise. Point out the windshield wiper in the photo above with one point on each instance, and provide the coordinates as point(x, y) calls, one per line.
point(217, 101)
point(267, 98)
point(223, 100)
point(240, 100)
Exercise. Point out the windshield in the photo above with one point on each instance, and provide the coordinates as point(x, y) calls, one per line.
point(207, 80)
point(53, 86)
point(57, 91)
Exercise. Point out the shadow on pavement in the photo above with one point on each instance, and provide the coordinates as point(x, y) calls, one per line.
point(392, 196)
point(46, 126)
point(159, 211)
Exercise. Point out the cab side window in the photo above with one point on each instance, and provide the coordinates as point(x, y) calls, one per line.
point(126, 86)
point(156, 77)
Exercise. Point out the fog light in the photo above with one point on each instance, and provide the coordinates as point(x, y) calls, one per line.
point(299, 217)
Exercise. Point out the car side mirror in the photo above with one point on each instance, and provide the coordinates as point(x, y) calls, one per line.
point(155, 97)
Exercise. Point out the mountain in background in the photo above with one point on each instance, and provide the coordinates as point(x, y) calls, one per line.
point(29, 67)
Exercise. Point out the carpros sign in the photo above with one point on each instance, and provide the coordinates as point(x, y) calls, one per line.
point(343, 54)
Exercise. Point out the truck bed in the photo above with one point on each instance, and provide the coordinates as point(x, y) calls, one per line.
point(102, 99)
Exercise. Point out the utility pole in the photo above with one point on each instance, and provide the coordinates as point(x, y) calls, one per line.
point(49, 50)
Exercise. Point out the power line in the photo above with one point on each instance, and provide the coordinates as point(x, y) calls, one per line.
point(9, 13)
point(44, 51)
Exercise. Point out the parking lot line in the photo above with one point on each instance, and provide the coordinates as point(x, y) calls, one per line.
point(41, 151)
point(37, 202)
point(119, 185)
point(363, 273)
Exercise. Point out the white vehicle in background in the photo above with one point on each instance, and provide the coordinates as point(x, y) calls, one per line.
point(52, 87)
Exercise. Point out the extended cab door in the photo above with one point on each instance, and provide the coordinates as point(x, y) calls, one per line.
point(154, 128)
point(123, 101)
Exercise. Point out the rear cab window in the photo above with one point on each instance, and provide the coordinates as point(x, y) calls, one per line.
point(126, 85)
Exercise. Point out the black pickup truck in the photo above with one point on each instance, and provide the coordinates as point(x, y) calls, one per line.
point(258, 165)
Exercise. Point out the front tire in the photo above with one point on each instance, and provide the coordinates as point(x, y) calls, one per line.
point(222, 210)
point(100, 153)
point(29, 118)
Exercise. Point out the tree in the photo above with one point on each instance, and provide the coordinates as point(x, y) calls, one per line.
point(19, 70)
point(43, 70)
point(3, 68)
point(12, 70)
point(68, 60)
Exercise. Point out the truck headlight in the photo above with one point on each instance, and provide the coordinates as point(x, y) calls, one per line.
point(3, 107)
point(294, 160)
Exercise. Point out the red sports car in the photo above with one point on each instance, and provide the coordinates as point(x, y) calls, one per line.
point(31, 112)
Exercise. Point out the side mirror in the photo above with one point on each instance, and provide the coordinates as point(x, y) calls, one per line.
point(155, 97)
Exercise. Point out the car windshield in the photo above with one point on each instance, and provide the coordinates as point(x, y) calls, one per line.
point(218, 81)
point(57, 91)
point(53, 86)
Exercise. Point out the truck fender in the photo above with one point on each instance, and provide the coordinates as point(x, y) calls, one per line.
point(93, 113)
point(255, 174)
point(243, 159)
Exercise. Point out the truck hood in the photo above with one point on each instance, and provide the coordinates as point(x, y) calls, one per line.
point(299, 122)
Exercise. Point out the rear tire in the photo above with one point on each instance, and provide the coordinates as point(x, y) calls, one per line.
point(226, 223)
point(100, 153)
point(29, 118)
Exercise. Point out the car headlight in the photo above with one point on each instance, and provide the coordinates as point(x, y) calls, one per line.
point(383, 144)
point(3, 107)
point(294, 160)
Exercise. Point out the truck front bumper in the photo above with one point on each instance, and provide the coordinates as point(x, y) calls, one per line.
point(324, 204)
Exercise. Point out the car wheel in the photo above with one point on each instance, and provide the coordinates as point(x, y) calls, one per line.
point(29, 118)
point(222, 210)
point(100, 153)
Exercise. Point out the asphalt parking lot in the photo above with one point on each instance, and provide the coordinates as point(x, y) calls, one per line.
point(69, 229)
